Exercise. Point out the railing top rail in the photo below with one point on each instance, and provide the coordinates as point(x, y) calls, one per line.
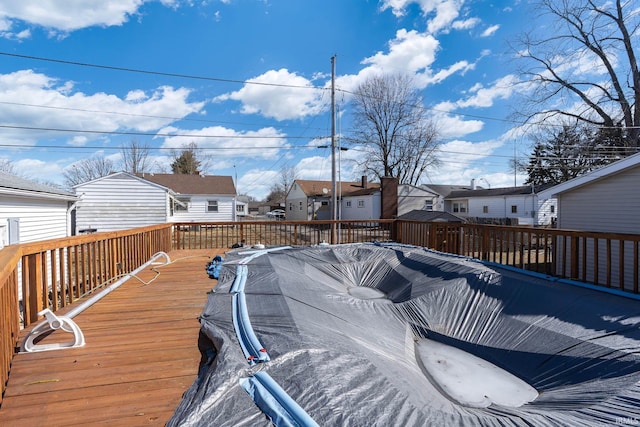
point(43, 245)
point(538, 230)
point(9, 257)
point(286, 221)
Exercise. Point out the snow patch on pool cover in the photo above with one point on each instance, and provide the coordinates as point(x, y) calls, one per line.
point(470, 380)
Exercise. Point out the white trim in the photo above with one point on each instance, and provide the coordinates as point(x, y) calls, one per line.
point(588, 178)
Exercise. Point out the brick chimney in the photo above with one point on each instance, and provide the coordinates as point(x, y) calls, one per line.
point(389, 197)
point(364, 181)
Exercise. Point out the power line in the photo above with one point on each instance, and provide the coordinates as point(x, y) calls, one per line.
point(168, 135)
point(251, 82)
point(150, 116)
point(156, 73)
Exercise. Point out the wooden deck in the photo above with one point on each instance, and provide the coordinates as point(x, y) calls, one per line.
point(141, 354)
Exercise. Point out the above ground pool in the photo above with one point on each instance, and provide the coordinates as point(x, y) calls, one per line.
point(392, 335)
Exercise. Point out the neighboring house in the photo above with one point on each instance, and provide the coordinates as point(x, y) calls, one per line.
point(411, 197)
point(513, 205)
point(122, 200)
point(309, 199)
point(604, 200)
point(361, 203)
point(242, 206)
point(30, 211)
point(518, 205)
point(254, 208)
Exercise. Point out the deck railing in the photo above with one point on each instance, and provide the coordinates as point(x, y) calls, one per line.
point(277, 232)
point(55, 273)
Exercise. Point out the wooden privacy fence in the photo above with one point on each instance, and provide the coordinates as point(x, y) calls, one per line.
point(55, 273)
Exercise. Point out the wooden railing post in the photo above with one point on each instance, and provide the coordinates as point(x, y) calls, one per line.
point(36, 297)
point(574, 256)
point(486, 244)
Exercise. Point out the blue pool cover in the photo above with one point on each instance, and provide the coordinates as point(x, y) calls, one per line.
point(343, 327)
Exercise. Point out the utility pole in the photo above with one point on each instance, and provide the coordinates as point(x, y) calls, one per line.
point(334, 192)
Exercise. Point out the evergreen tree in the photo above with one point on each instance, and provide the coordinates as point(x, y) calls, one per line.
point(186, 161)
point(561, 154)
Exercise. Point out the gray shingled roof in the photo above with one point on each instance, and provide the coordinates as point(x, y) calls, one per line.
point(193, 184)
point(314, 188)
point(492, 192)
point(445, 190)
point(8, 181)
point(430, 216)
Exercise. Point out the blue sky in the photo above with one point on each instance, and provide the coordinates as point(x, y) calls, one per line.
point(202, 58)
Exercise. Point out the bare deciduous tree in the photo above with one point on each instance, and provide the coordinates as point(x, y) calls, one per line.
point(7, 166)
point(390, 122)
point(279, 189)
point(135, 157)
point(87, 170)
point(586, 67)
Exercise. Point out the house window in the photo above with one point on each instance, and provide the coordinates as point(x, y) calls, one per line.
point(459, 207)
point(290, 206)
point(553, 208)
point(181, 204)
point(485, 209)
point(428, 205)
point(514, 209)
point(300, 205)
point(348, 202)
point(361, 203)
point(325, 203)
point(240, 208)
point(212, 206)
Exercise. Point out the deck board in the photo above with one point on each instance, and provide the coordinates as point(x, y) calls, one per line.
point(141, 354)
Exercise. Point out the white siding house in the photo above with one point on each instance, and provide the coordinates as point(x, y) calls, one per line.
point(411, 197)
point(122, 200)
point(199, 198)
point(118, 202)
point(310, 199)
point(520, 205)
point(30, 211)
point(361, 205)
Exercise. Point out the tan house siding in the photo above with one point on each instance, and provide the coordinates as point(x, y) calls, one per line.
point(611, 204)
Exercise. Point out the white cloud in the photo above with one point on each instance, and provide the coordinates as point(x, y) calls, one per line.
point(280, 95)
point(465, 24)
point(65, 16)
point(441, 13)
point(461, 161)
point(257, 182)
point(459, 67)
point(69, 16)
point(410, 52)
point(453, 126)
point(38, 169)
point(503, 88)
point(222, 142)
point(40, 102)
point(490, 31)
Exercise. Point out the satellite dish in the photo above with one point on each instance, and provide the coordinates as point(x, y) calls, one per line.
point(325, 191)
